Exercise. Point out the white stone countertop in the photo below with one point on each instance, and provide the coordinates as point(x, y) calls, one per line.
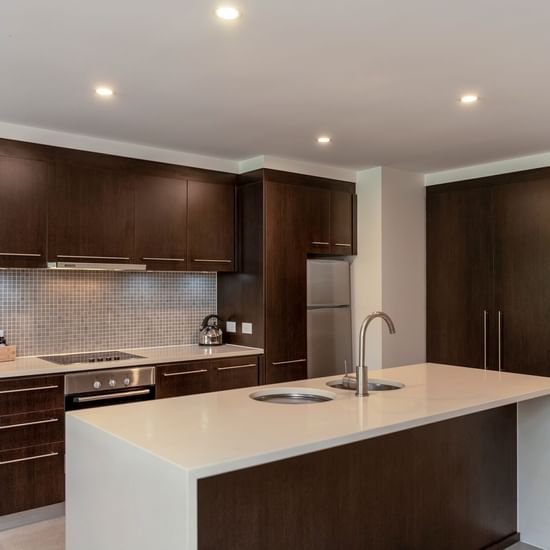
point(34, 366)
point(213, 433)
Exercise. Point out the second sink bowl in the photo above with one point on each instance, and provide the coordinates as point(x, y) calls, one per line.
point(293, 396)
point(374, 384)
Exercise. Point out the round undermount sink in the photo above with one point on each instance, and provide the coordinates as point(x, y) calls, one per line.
point(293, 396)
point(374, 384)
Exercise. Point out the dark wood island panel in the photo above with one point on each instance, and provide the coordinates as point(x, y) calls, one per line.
point(450, 484)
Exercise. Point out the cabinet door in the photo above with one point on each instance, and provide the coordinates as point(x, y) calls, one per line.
point(31, 477)
point(183, 379)
point(459, 277)
point(211, 226)
point(285, 280)
point(24, 186)
point(522, 274)
point(235, 372)
point(342, 223)
point(91, 214)
point(317, 220)
point(161, 222)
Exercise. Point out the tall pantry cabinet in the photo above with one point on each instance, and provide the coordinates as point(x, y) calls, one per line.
point(488, 273)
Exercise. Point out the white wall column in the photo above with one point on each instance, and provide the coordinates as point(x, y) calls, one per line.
point(389, 272)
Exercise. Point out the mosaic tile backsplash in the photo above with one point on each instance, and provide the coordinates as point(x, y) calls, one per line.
point(68, 311)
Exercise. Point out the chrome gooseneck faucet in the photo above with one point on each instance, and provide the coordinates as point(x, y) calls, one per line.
point(362, 370)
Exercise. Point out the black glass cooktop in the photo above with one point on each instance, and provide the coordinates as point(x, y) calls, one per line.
point(97, 357)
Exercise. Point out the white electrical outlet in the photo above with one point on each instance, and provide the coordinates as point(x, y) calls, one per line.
point(231, 326)
point(246, 328)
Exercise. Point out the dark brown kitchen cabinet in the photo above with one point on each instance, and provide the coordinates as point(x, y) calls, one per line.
point(182, 379)
point(329, 222)
point(24, 190)
point(285, 282)
point(522, 273)
point(459, 276)
point(161, 222)
point(317, 220)
point(234, 372)
point(91, 214)
point(488, 252)
point(342, 223)
point(206, 376)
point(211, 226)
point(31, 443)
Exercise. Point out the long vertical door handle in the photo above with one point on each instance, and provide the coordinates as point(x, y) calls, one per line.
point(485, 315)
point(499, 340)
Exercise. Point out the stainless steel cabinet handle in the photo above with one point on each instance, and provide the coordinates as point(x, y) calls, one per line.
point(24, 424)
point(198, 371)
point(37, 457)
point(107, 396)
point(21, 255)
point(485, 314)
point(237, 367)
point(499, 340)
point(38, 388)
point(214, 261)
point(165, 259)
point(289, 362)
point(94, 257)
point(320, 243)
point(342, 244)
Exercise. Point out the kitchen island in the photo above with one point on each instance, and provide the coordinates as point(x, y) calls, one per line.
point(435, 464)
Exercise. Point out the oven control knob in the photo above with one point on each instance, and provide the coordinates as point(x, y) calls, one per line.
point(112, 382)
point(126, 381)
point(97, 385)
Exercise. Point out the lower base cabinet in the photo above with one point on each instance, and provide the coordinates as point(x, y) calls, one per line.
point(448, 485)
point(31, 477)
point(206, 376)
point(32, 448)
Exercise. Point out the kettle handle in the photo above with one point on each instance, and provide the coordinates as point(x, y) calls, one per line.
point(207, 318)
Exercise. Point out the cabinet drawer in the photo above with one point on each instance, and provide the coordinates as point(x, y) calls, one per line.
point(237, 372)
point(20, 395)
point(28, 429)
point(286, 371)
point(31, 477)
point(183, 379)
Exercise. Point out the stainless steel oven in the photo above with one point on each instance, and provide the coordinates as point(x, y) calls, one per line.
point(109, 387)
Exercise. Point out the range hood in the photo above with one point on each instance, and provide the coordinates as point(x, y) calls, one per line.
point(89, 266)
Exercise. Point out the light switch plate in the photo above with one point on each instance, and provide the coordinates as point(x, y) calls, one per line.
point(230, 326)
point(246, 328)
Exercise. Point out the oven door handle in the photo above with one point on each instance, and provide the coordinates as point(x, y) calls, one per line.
point(107, 396)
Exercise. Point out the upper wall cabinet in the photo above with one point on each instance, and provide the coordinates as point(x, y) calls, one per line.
point(330, 221)
point(24, 186)
point(161, 222)
point(211, 226)
point(342, 222)
point(91, 214)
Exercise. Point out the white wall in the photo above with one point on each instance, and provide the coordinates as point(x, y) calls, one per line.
point(366, 269)
point(404, 266)
point(389, 272)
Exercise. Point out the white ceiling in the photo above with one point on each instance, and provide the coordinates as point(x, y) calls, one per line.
point(382, 77)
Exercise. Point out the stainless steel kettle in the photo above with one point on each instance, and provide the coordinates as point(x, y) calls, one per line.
point(210, 333)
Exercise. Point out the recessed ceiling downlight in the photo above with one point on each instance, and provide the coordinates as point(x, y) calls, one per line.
point(229, 13)
point(104, 91)
point(323, 140)
point(469, 98)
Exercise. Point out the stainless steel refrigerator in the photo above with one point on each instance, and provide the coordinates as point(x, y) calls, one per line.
point(329, 338)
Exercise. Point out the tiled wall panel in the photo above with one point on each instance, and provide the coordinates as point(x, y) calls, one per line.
point(66, 311)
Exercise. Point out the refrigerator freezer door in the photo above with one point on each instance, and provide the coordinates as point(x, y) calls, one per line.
point(328, 283)
point(328, 341)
